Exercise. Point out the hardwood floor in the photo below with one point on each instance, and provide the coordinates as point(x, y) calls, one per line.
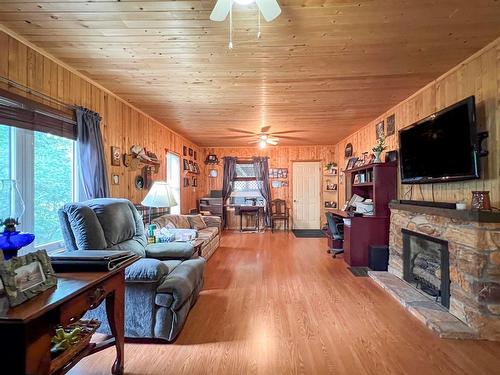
point(273, 304)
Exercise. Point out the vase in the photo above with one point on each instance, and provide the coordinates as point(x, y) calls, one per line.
point(481, 200)
point(377, 156)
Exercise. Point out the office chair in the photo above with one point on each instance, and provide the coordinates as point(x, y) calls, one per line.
point(336, 234)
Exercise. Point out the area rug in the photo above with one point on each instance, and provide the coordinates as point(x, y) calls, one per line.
point(308, 233)
point(359, 271)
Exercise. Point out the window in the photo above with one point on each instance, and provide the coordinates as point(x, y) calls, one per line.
point(245, 184)
point(43, 165)
point(174, 179)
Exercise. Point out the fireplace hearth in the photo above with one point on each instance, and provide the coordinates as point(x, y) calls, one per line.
point(426, 265)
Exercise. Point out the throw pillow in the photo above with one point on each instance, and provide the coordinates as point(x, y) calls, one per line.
point(197, 222)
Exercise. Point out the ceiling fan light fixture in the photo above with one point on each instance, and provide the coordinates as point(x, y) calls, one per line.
point(264, 137)
point(262, 144)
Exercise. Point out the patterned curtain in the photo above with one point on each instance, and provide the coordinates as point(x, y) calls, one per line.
point(227, 179)
point(91, 159)
point(261, 166)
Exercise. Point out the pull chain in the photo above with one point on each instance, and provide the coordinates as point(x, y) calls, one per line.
point(258, 33)
point(231, 25)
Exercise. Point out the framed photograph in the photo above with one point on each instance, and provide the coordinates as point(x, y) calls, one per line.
point(391, 124)
point(271, 171)
point(351, 163)
point(213, 173)
point(185, 163)
point(184, 151)
point(139, 182)
point(116, 156)
point(357, 179)
point(379, 130)
point(186, 181)
point(276, 184)
point(196, 168)
point(190, 152)
point(26, 276)
point(191, 166)
point(195, 155)
point(330, 204)
point(284, 184)
point(348, 150)
point(115, 179)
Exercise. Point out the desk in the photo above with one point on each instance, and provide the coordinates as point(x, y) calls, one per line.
point(26, 330)
point(361, 233)
point(249, 211)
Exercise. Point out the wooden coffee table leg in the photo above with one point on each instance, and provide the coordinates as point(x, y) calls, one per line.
point(115, 310)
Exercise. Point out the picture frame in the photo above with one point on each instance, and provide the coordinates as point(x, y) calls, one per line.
point(185, 164)
point(348, 150)
point(351, 163)
point(195, 155)
point(115, 179)
point(116, 156)
point(186, 181)
point(195, 182)
point(379, 130)
point(213, 173)
point(391, 124)
point(184, 151)
point(190, 151)
point(276, 184)
point(330, 204)
point(26, 276)
point(191, 165)
point(139, 182)
point(284, 183)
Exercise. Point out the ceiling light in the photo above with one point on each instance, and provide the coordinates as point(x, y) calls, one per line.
point(262, 144)
point(263, 137)
point(244, 2)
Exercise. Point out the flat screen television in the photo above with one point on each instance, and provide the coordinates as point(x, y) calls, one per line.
point(441, 147)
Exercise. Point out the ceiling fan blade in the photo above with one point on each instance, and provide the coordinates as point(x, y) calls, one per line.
point(241, 131)
point(238, 136)
point(257, 141)
point(221, 10)
point(291, 138)
point(270, 9)
point(286, 132)
point(273, 142)
point(265, 129)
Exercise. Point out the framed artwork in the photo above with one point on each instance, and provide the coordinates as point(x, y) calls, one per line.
point(190, 152)
point(185, 164)
point(195, 182)
point(184, 151)
point(26, 276)
point(330, 204)
point(391, 124)
point(186, 181)
point(195, 155)
point(196, 168)
point(276, 184)
point(139, 182)
point(116, 156)
point(191, 166)
point(348, 150)
point(115, 179)
point(284, 183)
point(351, 163)
point(379, 130)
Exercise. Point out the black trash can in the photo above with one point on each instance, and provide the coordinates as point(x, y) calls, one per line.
point(379, 257)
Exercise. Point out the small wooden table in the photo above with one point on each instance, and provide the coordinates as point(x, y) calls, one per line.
point(26, 330)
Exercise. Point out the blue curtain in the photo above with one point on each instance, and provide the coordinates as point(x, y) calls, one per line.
point(261, 167)
point(90, 153)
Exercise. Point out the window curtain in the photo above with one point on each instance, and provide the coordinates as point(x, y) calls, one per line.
point(90, 154)
point(261, 166)
point(227, 179)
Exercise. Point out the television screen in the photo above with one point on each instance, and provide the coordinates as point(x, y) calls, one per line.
point(441, 147)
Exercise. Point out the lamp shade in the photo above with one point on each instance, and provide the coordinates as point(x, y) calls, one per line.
point(160, 195)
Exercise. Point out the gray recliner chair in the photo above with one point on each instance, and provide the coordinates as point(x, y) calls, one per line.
point(160, 289)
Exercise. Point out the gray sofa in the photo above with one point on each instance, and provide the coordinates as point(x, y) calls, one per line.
point(159, 291)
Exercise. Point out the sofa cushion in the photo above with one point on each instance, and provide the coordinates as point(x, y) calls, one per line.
point(170, 250)
point(197, 222)
point(209, 233)
point(83, 228)
point(182, 281)
point(179, 221)
point(146, 270)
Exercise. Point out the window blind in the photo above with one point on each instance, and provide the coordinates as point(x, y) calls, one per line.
point(21, 112)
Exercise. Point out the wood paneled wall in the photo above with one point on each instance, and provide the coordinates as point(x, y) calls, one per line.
point(479, 75)
point(279, 157)
point(122, 124)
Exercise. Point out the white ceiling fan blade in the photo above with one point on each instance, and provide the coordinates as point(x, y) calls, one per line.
point(273, 142)
point(257, 141)
point(270, 9)
point(221, 10)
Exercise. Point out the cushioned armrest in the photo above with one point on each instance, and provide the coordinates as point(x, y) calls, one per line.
point(182, 281)
point(170, 250)
point(212, 221)
point(146, 270)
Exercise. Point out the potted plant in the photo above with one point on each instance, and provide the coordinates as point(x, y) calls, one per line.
point(330, 167)
point(378, 149)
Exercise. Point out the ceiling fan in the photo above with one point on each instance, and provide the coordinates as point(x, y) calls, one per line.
point(270, 9)
point(264, 137)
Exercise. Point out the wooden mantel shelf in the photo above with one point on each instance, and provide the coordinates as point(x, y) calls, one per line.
point(464, 215)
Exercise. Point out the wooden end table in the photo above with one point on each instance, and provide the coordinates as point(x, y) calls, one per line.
point(26, 330)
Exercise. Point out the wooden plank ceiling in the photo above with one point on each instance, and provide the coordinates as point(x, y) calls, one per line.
point(323, 69)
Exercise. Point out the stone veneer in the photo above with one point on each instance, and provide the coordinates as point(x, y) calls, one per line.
point(474, 249)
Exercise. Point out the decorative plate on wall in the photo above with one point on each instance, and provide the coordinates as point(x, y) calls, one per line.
point(139, 182)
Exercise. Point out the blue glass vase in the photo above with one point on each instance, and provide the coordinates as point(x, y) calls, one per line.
point(12, 241)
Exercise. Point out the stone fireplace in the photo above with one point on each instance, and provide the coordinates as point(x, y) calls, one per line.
point(450, 263)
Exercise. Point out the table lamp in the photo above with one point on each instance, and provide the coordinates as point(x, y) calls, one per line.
point(11, 209)
point(160, 195)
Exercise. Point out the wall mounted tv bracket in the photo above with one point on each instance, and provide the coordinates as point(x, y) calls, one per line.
point(481, 136)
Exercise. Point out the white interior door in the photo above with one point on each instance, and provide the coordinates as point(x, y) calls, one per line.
point(306, 195)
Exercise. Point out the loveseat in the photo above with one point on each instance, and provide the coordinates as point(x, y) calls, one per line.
point(208, 229)
point(160, 288)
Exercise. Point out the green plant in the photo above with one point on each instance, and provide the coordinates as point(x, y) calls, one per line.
point(330, 165)
point(380, 146)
